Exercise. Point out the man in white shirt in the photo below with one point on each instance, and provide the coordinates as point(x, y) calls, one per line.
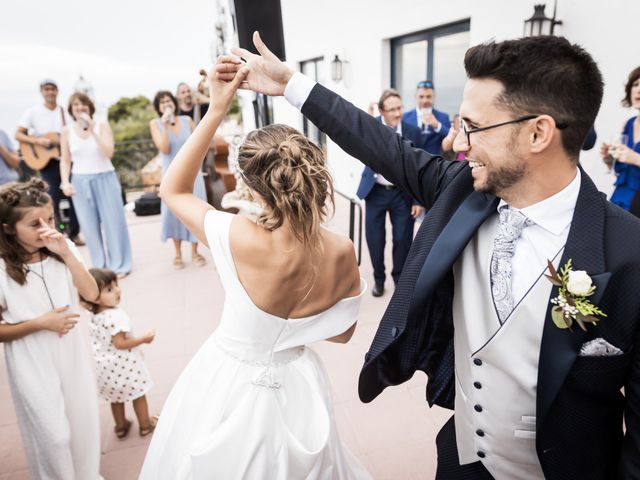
point(37, 121)
point(534, 368)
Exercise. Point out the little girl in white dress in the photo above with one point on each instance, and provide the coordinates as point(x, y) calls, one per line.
point(122, 374)
point(48, 365)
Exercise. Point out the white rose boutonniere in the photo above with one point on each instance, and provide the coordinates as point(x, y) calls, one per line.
point(572, 303)
point(579, 283)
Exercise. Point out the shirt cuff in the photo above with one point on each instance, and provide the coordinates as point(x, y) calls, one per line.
point(298, 89)
point(437, 129)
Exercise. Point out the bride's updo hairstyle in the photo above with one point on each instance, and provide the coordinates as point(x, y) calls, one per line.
point(289, 172)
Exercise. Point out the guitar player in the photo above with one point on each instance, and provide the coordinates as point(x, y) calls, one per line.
point(37, 121)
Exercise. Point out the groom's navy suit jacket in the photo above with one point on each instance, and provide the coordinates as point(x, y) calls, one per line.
point(580, 405)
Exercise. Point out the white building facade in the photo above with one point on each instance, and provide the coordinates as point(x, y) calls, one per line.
point(386, 44)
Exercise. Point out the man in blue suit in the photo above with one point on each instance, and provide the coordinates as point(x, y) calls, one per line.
point(473, 308)
point(381, 196)
point(433, 123)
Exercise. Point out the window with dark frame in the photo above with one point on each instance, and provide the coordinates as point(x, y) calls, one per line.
point(436, 54)
point(314, 68)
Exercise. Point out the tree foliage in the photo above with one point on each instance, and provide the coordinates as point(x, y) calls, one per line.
point(129, 118)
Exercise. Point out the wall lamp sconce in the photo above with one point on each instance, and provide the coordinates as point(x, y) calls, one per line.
point(336, 69)
point(539, 23)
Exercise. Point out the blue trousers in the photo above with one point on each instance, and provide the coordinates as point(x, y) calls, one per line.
point(398, 205)
point(98, 202)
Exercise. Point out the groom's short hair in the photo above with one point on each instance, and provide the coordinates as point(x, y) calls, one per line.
point(543, 75)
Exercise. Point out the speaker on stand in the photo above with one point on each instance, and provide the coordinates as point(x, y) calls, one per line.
point(265, 17)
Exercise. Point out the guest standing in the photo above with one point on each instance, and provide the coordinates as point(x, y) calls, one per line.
point(94, 185)
point(115, 348)
point(37, 121)
point(169, 132)
point(433, 123)
point(627, 156)
point(9, 160)
point(382, 197)
point(48, 364)
point(187, 105)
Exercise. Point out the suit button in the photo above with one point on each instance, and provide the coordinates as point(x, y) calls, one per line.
point(478, 385)
point(481, 454)
point(480, 433)
point(477, 361)
point(477, 408)
point(394, 332)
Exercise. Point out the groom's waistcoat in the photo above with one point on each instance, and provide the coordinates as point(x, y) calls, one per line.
point(496, 366)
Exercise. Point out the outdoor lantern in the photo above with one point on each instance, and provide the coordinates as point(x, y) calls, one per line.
point(336, 69)
point(539, 23)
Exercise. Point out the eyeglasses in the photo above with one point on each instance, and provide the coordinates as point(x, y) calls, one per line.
point(425, 84)
point(468, 132)
point(393, 109)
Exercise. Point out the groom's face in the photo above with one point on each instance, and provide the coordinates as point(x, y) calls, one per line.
point(494, 155)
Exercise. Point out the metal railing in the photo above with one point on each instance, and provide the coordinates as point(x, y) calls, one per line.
point(354, 203)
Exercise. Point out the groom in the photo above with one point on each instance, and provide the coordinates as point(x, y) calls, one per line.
point(472, 308)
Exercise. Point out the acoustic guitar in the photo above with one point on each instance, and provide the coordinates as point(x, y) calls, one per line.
point(36, 156)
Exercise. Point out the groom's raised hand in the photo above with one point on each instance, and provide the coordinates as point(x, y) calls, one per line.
point(267, 74)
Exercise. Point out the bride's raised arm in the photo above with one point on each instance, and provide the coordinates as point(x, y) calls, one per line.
point(176, 188)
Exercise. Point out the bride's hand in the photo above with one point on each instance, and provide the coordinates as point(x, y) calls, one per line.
point(221, 92)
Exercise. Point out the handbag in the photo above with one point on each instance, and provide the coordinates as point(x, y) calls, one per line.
point(147, 204)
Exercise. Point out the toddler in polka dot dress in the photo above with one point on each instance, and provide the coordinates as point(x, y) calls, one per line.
point(122, 374)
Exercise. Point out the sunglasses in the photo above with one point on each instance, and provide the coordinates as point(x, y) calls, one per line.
point(425, 84)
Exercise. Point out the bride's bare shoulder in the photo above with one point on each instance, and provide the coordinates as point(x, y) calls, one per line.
point(244, 231)
point(337, 243)
point(341, 260)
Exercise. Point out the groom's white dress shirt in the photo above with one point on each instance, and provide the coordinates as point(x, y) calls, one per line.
point(510, 364)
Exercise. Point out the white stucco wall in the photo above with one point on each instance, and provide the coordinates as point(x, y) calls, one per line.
point(359, 31)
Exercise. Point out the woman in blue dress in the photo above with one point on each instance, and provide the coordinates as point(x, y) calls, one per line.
point(169, 132)
point(626, 158)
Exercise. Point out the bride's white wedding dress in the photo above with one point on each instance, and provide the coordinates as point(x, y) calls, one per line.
point(254, 402)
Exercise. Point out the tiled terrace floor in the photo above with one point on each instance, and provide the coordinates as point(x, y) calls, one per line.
point(394, 436)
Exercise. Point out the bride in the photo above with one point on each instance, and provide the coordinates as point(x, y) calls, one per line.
point(255, 401)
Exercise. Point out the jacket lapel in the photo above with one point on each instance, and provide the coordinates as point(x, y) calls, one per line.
point(585, 248)
point(464, 223)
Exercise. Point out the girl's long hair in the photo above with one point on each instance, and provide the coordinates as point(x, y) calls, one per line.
point(15, 199)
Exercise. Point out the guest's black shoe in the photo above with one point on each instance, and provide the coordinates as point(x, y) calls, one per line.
point(377, 290)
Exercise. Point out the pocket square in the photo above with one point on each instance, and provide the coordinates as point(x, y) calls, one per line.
point(599, 347)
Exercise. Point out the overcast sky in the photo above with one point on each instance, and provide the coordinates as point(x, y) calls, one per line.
point(123, 48)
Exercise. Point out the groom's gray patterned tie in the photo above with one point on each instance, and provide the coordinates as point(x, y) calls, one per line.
point(510, 227)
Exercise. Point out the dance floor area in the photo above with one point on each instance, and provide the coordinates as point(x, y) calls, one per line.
point(394, 436)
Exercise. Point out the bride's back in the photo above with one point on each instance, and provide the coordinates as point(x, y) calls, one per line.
point(284, 278)
point(288, 264)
